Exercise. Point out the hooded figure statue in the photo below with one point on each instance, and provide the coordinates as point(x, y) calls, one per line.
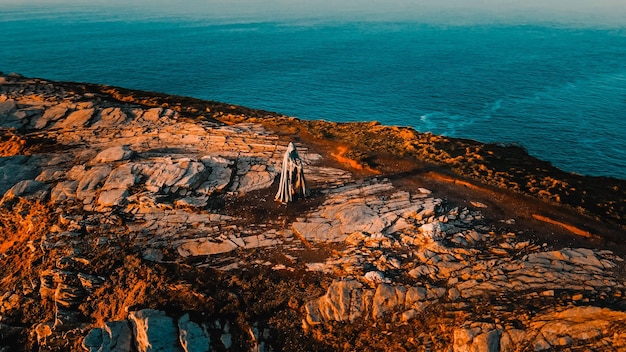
point(291, 176)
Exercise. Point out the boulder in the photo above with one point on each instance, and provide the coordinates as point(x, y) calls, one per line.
point(434, 230)
point(154, 331)
point(7, 107)
point(340, 303)
point(415, 294)
point(118, 153)
point(14, 169)
point(387, 299)
point(511, 339)
point(7, 331)
point(488, 341)
point(193, 338)
point(115, 336)
point(219, 176)
point(90, 181)
point(152, 115)
point(112, 197)
point(356, 217)
point(202, 246)
point(375, 277)
point(29, 189)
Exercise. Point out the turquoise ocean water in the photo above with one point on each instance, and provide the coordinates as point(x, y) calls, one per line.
point(557, 90)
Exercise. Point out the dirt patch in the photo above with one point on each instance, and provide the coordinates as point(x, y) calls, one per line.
point(573, 229)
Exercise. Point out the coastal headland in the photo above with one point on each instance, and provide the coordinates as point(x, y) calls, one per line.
point(137, 221)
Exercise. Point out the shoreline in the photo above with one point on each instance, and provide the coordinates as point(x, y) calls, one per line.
point(127, 222)
point(494, 164)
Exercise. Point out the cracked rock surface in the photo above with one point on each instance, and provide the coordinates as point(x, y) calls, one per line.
point(129, 227)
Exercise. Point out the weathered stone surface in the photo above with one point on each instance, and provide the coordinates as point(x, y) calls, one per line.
point(152, 115)
point(197, 202)
point(15, 169)
point(7, 107)
point(109, 198)
point(165, 174)
point(77, 118)
point(336, 304)
point(318, 231)
point(110, 117)
point(29, 189)
point(577, 324)
point(63, 191)
point(90, 181)
point(204, 246)
point(253, 174)
point(356, 217)
point(219, 177)
point(434, 230)
point(123, 177)
point(347, 300)
point(193, 338)
point(115, 336)
point(117, 153)
point(387, 299)
point(53, 113)
point(154, 331)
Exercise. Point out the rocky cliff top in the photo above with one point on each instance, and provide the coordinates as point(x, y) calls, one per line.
point(135, 221)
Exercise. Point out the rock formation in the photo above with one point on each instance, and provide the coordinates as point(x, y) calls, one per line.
point(133, 227)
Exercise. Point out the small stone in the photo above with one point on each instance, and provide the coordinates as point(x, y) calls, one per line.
point(564, 341)
point(577, 297)
point(478, 204)
point(227, 340)
point(43, 330)
point(454, 294)
point(541, 344)
point(408, 315)
point(375, 277)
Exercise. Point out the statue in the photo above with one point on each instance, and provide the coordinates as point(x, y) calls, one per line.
point(291, 176)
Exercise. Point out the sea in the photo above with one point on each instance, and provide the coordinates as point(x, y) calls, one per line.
point(556, 89)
